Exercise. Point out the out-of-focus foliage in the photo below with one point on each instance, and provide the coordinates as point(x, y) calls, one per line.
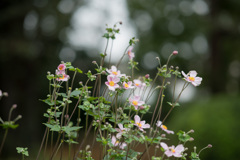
point(206, 33)
point(215, 122)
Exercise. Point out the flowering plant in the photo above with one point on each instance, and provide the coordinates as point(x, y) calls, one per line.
point(119, 124)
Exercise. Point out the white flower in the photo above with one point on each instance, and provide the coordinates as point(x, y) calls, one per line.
point(192, 77)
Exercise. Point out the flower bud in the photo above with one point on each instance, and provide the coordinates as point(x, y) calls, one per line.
point(191, 131)
point(5, 94)
point(94, 62)
point(163, 135)
point(147, 76)
point(103, 72)
point(177, 68)
point(175, 52)
point(209, 146)
point(120, 22)
point(191, 139)
point(14, 106)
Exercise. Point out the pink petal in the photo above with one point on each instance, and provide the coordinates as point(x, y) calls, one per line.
point(164, 145)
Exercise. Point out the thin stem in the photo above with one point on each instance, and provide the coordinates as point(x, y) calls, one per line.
point(57, 150)
point(122, 56)
point(3, 141)
point(110, 54)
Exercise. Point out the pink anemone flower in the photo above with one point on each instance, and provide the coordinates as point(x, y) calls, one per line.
point(139, 83)
point(128, 85)
point(163, 127)
point(192, 77)
point(61, 67)
point(121, 130)
point(172, 151)
point(114, 71)
point(131, 55)
point(112, 82)
point(116, 143)
point(135, 101)
point(62, 76)
point(140, 124)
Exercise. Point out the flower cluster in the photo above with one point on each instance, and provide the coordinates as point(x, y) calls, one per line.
point(117, 111)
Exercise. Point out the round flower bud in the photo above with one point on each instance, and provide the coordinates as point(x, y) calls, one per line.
point(209, 146)
point(175, 52)
point(147, 76)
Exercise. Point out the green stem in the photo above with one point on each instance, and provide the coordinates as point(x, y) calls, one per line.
point(3, 141)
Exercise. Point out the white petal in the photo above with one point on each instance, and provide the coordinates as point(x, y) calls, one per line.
point(137, 118)
point(193, 73)
point(164, 145)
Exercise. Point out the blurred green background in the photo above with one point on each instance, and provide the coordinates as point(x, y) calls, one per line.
point(35, 35)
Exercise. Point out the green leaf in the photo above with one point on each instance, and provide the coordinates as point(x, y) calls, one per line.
point(23, 151)
point(55, 127)
point(75, 93)
point(9, 124)
point(69, 129)
point(79, 70)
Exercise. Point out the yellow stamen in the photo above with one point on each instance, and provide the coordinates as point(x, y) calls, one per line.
point(126, 85)
point(111, 83)
point(135, 103)
point(164, 127)
point(139, 124)
point(116, 142)
point(137, 84)
point(62, 77)
point(173, 150)
point(191, 78)
point(115, 73)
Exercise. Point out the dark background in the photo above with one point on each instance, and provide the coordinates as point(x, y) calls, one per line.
point(206, 34)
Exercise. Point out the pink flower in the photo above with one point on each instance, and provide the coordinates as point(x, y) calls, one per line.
point(112, 82)
point(127, 85)
point(116, 143)
point(140, 124)
point(135, 101)
point(138, 83)
point(114, 71)
point(62, 76)
point(172, 151)
point(163, 127)
point(61, 67)
point(131, 55)
point(121, 130)
point(192, 77)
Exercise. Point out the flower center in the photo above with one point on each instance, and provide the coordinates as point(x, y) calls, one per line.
point(62, 76)
point(117, 142)
point(129, 52)
point(111, 83)
point(164, 127)
point(191, 78)
point(115, 73)
point(135, 103)
point(137, 84)
point(126, 85)
point(139, 124)
point(173, 150)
